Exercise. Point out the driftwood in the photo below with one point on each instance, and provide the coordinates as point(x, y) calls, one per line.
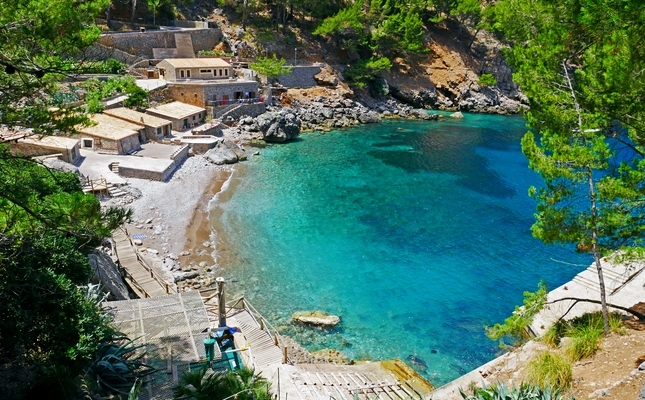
point(577, 300)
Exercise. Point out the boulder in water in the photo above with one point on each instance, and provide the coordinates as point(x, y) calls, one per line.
point(319, 318)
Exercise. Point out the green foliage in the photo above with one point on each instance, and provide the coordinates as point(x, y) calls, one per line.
point(117, 367)
point(584, 332)
point(213, 53)
point(98, 90)
point(525, 391)
point(550, 369)
point(579, 64)
point(154, 6)
point(271, 67)
point(49, 325)
point(515, 326)
point(487, 80)
point(368, 70)
point(37, 39)
point(206, 384)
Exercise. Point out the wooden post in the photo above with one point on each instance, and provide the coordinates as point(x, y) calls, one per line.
point(221, 301)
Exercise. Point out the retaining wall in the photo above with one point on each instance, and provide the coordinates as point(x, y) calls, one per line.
point(180, 154)
point(300, 77)
point(140, 44)
point(252, 110)
point(129, 172)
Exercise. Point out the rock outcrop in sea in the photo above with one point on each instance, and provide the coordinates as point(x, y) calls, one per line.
point(318, 318)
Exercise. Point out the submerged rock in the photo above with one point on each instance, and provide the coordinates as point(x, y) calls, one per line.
point(319, 318)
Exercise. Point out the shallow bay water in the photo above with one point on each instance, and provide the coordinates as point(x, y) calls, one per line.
point(416, 233)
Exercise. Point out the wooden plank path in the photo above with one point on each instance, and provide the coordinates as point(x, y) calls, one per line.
point(263, 348)
point(140, 277)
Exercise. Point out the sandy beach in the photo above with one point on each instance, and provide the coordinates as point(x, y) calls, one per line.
point(173, 216)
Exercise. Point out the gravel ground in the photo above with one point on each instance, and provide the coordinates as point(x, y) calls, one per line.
point(166, 211)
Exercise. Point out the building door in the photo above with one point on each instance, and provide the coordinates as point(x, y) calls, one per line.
point(182, 73)
point(185, 125)
point(187, 73)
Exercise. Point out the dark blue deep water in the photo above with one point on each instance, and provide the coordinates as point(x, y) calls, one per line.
point(416, 233)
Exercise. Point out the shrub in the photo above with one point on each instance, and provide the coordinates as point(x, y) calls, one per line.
point(514, 327)
point(550, 370)
point(524, 392)
point(487, 80)
point(585, 333)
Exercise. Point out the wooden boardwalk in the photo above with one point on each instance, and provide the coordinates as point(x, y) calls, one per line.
point(264, 351)
point(138, 275)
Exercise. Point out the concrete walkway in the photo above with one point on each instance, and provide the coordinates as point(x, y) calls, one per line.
point(153, 157)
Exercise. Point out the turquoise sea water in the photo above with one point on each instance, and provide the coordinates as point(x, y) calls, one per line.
point(416, 233)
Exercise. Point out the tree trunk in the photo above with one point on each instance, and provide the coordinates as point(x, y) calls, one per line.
point(245, 6)
point(108, 15)
point(594, 211)
point(134, 12)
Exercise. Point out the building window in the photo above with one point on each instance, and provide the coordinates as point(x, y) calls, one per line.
point(187, 73)
point(205, 71)
point(199, 115)
point(193, 117)
point(182, 73)
point(226, 72)
point(220, 72)
point(87, 143)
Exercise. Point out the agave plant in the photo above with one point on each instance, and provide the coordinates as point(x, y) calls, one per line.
point(205, 384)
point(117, 367)
point(525, 391)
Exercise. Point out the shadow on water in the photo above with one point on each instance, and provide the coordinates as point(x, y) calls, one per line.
point(450, 153)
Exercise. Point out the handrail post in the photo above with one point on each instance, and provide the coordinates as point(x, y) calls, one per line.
point(261, 323)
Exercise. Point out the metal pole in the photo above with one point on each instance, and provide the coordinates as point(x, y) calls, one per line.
point(221, 301)
point(295, 56)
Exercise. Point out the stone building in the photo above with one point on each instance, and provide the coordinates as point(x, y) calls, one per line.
point(210, 83)
point(111, 135)
point(180, 69)
point(66, 148)
point(183, 116)
point(155, 128)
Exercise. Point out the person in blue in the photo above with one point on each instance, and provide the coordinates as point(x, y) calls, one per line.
point(225, 339)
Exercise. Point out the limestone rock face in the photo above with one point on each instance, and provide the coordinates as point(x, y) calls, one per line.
point(226, 152)
point(423, 114)
point(279, 127)
point(417, 98)
point(319, 318)
point(107, 274)
point(326, 78)
point(370, 117)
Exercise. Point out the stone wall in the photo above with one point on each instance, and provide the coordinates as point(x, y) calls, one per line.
point(130, 172)
point(141, 43)
point(300, 77)
point(198, 93)
point(34, 150)
point(180, 154)
point(190, 24)
point(251, 110)
point(189, 94)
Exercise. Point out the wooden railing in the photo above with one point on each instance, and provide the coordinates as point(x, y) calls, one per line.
point(243, 304)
